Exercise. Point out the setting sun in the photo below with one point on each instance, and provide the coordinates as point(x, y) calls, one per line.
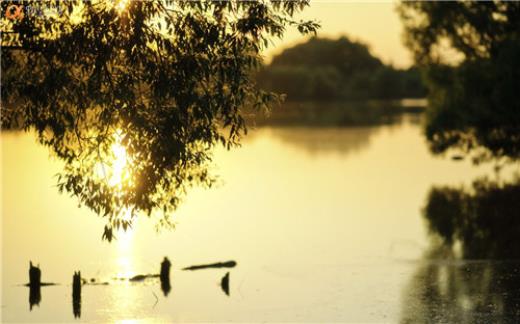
point(121, 5)
point(115, 169)
point(120, 167)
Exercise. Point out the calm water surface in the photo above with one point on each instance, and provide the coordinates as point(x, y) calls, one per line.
point(324, 223)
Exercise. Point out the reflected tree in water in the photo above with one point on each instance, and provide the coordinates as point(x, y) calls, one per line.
point(484, 220)
point(472, 272)
point(450, 291)
point(335, 127)
point(154, 83)
point(469, 51)
point(337, 114)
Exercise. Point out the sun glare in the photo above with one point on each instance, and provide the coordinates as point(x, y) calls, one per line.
point(119, 165)
point(121, 5)
point(115, 169)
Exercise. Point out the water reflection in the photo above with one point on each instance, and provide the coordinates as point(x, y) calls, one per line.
point(472, 272)
point(314, 232)
point(329, 140)
point(484, 220)
point(124, 254)
point(336, 113)
point(451, 291)
point(166, 287)
point(76, 306)
point(224, 283)
point(341, 140)
point(35, 296)
point(335, 127)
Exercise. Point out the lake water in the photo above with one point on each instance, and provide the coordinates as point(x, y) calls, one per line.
point(325, 225)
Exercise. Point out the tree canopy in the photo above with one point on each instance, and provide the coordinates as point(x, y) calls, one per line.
point(332, 69)
point(132, 95)
point(469, 51)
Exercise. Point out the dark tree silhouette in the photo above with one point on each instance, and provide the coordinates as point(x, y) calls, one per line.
point(483, 219)
point(469, 52)
point(327, 69)
point(165, 80)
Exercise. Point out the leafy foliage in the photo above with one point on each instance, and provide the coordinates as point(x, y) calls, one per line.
point(326, 69)
point(469, 51)
point(164, 80)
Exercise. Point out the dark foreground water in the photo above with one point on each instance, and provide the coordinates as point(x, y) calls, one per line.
point(325, 225)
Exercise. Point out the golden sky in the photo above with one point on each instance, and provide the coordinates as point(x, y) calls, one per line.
point(373, 22)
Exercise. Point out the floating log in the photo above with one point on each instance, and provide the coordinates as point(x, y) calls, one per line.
point(227, 264)
point(97, 284)
point(142, 277)
point(164, 274)
point(43, 284)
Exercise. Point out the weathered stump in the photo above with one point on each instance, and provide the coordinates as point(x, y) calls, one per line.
point(35, 281)
point(76, 284)
point(35, 276)
point(76, 294)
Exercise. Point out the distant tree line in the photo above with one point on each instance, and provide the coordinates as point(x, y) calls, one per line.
point(326, 69)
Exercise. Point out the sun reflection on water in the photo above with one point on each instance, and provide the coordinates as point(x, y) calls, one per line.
point(116, 172)
point(127, 321)
point(124, 243)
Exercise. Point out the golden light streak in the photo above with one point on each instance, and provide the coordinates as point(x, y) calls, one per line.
point(121, 5)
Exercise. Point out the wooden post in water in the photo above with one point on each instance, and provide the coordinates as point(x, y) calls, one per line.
point(35, 276)
point(35, 282)
point(76, 294)
point(76, 285)
point(165, 276)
